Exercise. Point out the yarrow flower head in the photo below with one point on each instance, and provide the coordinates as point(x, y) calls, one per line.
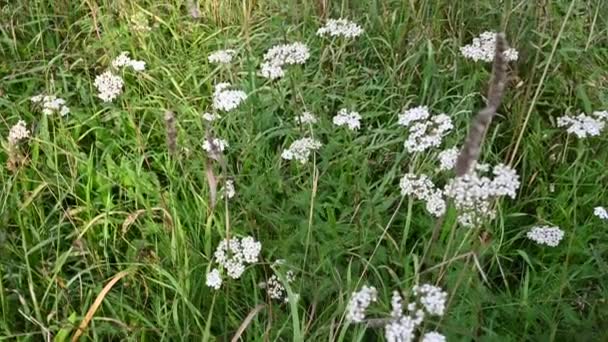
point(301, 149)
point(211, 117)
point(279, 56)
point(306, 118)
point(546, 235)
point(426, 134)
point(226, 99)
point(214, 147)
point(51, 104)
point(340, 27)
point(583, 125)
point(229, 191)
point(414, 114)
point(483, 49)
point(472, 193)
point(222, 56)
point(358, 303)
point(432, 298)
point(601, 213)
point(421, 187)
point(349, 119)
point(232, 255)
point(447, 158)
point(109, 86)
point(123, 60)
point(214, 279)
point(275, 288)
point(18, 132)
point(433, 336)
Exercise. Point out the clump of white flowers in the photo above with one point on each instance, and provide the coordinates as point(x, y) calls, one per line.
point(51, 104)
point(348, 119)
point(275, 288)
point(340, 27)
point(222, 56)
point(546, 235)
point(109, 86)
point(123, 60)
point(447, 158)
point(226, 99)
point(425, 131)
point(18, 132)
point(281, 55)
point(358, 303)
point(301, 149)
point(483, 49)
point(211, 117)
point(306, 118)
point(232, 255)
point(229, 190)
point(421, 187)
point(472, 193)
point(214, 147)
point(601, 213)
point(584, 125)
point(402, 324)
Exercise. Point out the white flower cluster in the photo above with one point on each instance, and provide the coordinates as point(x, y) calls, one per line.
point(340, 27)
point(425, 131)
point(232, 255)
point(275, 288)
point(306, 118)
point(421, 187)
point(584, 125)
point(281, 55)
point(447, 158)
point(601, 213)
point(123, 60)
point(214, 147)
point(211, 117)
point(227, 99)
point(229, 191)
point(433, 298)
point(546, 235)
point(483, 49)
point(358, 303)
point(473, 193)
point(222, 56)
point(108, 85)
point(301, 149)
point(433, 336)
point(51, 104)
point(18, 132)
point(349, 119)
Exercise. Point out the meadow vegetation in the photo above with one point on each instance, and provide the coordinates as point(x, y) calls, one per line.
point(112, 210)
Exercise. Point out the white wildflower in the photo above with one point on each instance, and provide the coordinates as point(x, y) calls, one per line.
point(546, 235)
point(214, 146)
point(349, 119)
point(229, 191)
point(18, 132)
point(306, 118)
point(583, 125)
point(51, 104)
point(214, 279)
point(433, 336)
point(138, 65)
point(226, 99)
point(211, 117)
point(410, 115)
point(433, 298)
point(108, 85)
point(340, 27)
point(396, 305)
point(601, 213)
point(222, 56)
point(276, 289)
point(426, 134)
point(234, 254)
point(483, 49)
point(281, 55)
point(447, 158)
point(400, 330)
point(301, 149)
point(123, 60)
point(421, 187)
point(358, 303)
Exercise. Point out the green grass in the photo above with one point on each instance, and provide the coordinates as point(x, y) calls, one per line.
point(340, 221)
